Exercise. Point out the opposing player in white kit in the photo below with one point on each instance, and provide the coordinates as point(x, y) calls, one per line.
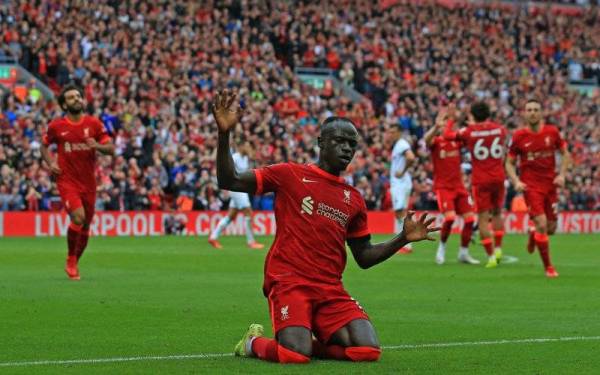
point(400, 179)
point(239, 202)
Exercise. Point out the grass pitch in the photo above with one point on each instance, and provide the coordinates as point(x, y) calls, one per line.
point(175, 305)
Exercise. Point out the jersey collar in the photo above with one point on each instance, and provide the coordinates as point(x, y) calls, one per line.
point(325, 174)
point(70, 122)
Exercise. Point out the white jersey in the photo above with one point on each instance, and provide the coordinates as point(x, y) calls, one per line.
point(399, 163)
point(241, 162)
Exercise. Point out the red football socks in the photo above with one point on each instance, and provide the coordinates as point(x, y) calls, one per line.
point(541, 241)
point(487, 243)
point(446, 229)
point(84, 236)
point(73, 234)
point(467, 232)
point(269, 350)
point(498, 234)
point(265, 348)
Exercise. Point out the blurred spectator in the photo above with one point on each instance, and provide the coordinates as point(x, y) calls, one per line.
point(150, 68)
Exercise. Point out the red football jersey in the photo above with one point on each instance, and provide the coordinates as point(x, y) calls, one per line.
point(446, 164)
point(75, 158)
point(315, 212)
point(536, 152)
point(485, 142)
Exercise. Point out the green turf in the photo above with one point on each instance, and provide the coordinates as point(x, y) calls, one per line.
point(169, 296)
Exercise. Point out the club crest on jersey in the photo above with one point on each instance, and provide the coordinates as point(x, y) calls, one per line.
point(307, 205)
point(547, 140)
point(86, 132)
point(347, 196)
point(285, 313)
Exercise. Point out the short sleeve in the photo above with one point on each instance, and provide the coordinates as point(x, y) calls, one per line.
point(101, 136)
point(50, 136)
point(513, 149)
point(561, 144)
point(272, 177)
point(403, 146)
point(358, 226)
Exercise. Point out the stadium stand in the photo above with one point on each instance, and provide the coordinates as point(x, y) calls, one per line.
point(150, 68)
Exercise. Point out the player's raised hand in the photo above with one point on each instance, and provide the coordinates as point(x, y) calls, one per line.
point(417, 230)
point(226, 110)
point(441, 119)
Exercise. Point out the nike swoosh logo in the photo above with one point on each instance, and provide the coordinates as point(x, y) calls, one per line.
point(527, 144)
point(304, 179)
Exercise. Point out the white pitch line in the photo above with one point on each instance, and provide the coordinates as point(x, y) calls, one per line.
point(496, 342)
point(222, 355)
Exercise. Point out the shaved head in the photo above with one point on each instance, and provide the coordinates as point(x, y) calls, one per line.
point(334, 122)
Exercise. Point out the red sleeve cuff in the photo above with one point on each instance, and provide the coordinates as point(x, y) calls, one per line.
point(45, 140)
point(259, 182)
point(104, 140)
point(512, 155)
point(361, 233)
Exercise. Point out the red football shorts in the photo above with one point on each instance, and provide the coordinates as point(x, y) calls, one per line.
point(73, 200)
point(321, 308)
point(489, 196)
point(457, 200)
point(540, 203)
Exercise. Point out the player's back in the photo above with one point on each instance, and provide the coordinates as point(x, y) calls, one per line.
point(486, 144)
point(316, 212)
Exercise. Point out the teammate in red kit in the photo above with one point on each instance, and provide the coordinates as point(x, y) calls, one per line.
point(536, 146)
point(485, 141)
point(449, 189)
point(78, 137)
point(316, 213)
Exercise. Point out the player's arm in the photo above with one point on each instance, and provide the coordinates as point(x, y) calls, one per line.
point(106, 147)
point(565, 163)
point(50, 161)
point(48, 139)
point(367, 254)
point(436, 129)
point(227, 113)
point(511, 171)
point(410, 160)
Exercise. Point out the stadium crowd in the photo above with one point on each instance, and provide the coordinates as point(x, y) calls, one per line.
point(150, 68)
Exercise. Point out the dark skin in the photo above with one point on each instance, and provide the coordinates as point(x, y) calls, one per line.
point(338, 143)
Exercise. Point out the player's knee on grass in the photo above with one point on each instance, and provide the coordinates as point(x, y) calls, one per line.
point(296, 339)
point(357, 333)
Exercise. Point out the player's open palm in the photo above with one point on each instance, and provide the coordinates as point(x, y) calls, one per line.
point(417, 230)
point(226, 110)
